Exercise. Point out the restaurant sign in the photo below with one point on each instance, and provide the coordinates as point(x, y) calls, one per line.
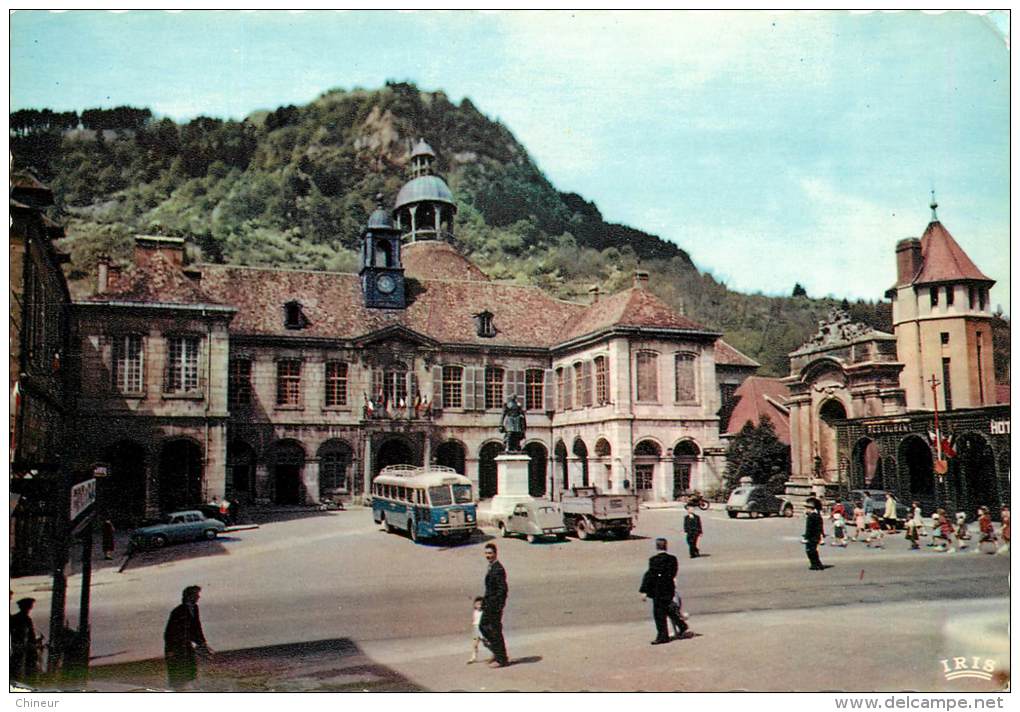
point(83, 496)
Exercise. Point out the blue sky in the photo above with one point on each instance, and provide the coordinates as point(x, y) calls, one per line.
point(774, 147)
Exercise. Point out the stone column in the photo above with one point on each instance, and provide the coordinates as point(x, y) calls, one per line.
point(310, 480)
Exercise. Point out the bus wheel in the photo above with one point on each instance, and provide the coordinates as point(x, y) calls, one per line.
point(386, 525)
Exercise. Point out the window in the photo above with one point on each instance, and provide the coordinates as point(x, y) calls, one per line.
point(945, 337)
point(601, 380)
point(972, 295)
point(946, 385)
point(982, 298)
point(391, 385)
point(582, 384)
point(181, 375)
point(950, 295)
point(493, 387)
point(980, 369)
point(293, 316)
point(561, 389)
point(647, 376)
point(288, 382)
point(239, 382)
point(483, 324)
point(534, 382)
point(686, 378)
point(453, 387)
point(643, 476)
point(933, 294)
point(336, 383)
point(127, 363)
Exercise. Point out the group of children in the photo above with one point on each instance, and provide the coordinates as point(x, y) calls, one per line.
point(947, 534)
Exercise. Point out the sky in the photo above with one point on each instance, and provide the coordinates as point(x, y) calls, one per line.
point(775, 148)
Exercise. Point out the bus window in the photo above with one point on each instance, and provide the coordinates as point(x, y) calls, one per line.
point(440, 496)
point(462, 494)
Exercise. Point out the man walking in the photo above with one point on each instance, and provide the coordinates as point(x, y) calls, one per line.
point(24, 644)
point(692, 528)
point(659, 585)
point(491, 625)
point(182, 637)
point(813, 533)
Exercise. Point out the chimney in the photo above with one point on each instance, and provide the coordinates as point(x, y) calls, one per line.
point(104, 272)
point(908, 260)
point(640, 279)
point(593, 293)
point(147, 247)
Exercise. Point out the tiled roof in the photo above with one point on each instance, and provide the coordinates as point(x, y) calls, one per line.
point(442, 310)
point(438, 260)
point(943, 260)
point(757, 396)
point(726, 355)
point(1002, 393)
point(159, 281)
point(631, 307)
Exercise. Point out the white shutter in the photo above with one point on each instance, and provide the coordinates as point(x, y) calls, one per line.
point(437, 387)
point(470, 376)
point(549, 389)
point(412, 388)
point(479, 388)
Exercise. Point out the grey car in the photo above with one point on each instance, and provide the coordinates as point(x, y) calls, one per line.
point(186, 525)
point(757, 501)
point(533, 520)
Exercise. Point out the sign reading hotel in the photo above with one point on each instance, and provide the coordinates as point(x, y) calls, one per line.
point(83, 496)
point(999, 427)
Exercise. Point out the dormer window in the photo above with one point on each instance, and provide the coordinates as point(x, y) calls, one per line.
point(293, 316)
point(483, 324)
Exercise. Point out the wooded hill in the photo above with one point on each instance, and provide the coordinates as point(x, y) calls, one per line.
point(293, 187)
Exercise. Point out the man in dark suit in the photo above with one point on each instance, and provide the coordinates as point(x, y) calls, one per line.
point(692, 528)
point(658, 584)
point(813, 532)
point(24, 644)
point(491, 625)
point(182, 636)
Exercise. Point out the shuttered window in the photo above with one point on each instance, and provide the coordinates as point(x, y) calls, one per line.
point(453, 387)
point(685, 368)
point(127, 363)
point(601, 380)
point(533, 385)
point(288, 382)
point(493, 388)
point(336, 384)
point(647, 376)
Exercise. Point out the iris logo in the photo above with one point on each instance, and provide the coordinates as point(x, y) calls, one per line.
point(974, 667)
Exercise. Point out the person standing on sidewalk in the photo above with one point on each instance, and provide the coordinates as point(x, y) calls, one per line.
point(658, 584)
point(813, 533)
point(108, 542)
point(493, 602)
point(182, 638)
point(692, 528)
point(24, 644)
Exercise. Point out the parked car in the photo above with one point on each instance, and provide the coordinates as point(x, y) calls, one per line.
point(874, 503)
point(538, 518)
point(186, 525)
point(757, 501)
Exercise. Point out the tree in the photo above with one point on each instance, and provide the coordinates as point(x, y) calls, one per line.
point(799, 291)
point(758, 453)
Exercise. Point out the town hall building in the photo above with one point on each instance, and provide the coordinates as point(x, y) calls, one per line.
point(289, 386)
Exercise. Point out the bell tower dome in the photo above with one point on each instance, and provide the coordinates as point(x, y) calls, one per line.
point(425, 208)
point(382, 272)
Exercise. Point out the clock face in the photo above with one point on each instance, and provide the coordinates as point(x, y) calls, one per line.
point(385, 284)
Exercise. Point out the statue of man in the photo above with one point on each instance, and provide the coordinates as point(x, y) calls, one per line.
point(512, 425)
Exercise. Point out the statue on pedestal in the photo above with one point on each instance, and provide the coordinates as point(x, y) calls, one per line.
point(512, 425)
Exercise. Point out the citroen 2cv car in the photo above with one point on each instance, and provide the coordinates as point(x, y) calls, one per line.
point(532, 520)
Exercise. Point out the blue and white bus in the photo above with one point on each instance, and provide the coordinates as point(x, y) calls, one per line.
point(425, 502)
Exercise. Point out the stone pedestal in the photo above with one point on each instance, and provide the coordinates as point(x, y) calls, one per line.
point(511, 482)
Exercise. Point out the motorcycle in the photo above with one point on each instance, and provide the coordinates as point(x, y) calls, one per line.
point(696, 500)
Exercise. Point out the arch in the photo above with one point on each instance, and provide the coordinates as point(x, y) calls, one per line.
point(538, 461)
point(830, 411)
point(603, 448)
point(336, 465)
point(580, 451)
point(487, 480)
point(648, 448)
point(916, 457)
point(180, 474)
point(452, 453)
point(121, 494)
point(394, 450)
point(241, 460)
point(975, 481)
point(685, 459)
point(286, 460)
point(822, 366)
point(560, 452)
point(866, 466)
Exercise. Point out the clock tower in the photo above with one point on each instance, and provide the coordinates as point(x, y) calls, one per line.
point(382, 274)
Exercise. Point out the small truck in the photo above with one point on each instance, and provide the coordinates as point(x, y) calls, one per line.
point(587, 512)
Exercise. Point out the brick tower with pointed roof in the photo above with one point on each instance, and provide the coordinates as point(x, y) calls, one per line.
point(942, 321)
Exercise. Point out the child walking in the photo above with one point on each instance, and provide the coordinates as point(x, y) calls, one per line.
point(987, 531)
point(942, 539)
point(962, 530)
point(860, 531)
point(476, 633)
point(875, 533)
point(838, 530)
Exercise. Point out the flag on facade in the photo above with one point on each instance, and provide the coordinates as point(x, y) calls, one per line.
point(942, 442)
point(369, 405)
